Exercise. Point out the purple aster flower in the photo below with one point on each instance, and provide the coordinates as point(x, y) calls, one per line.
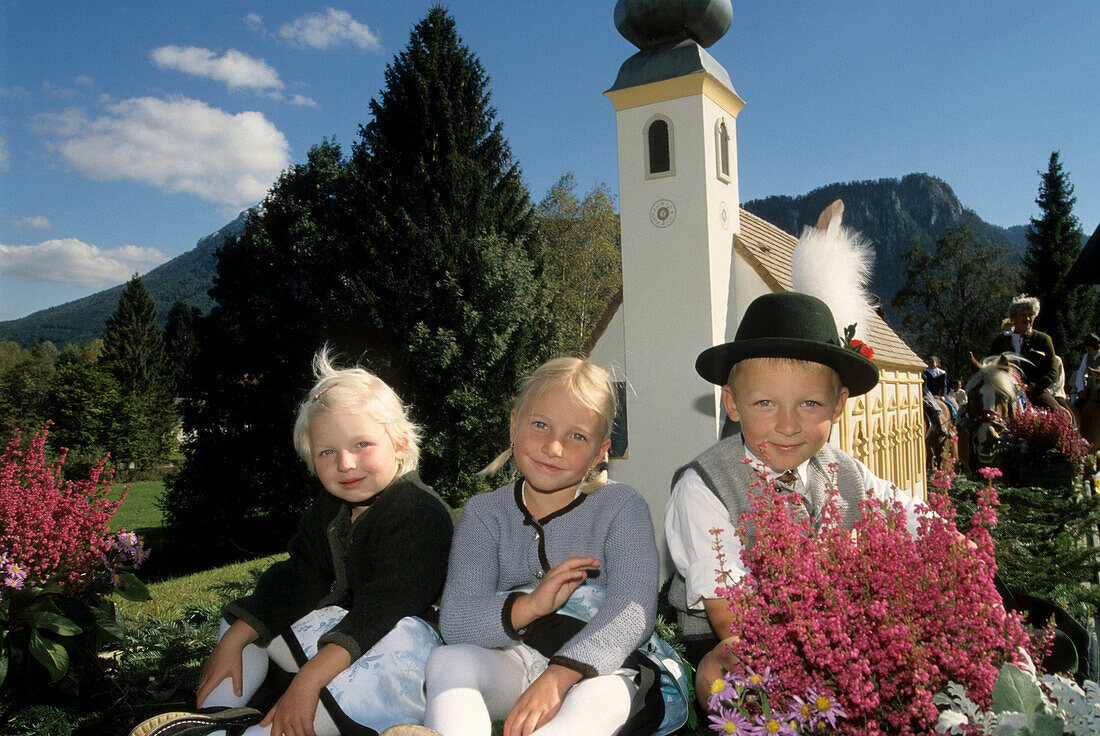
point(729, 721)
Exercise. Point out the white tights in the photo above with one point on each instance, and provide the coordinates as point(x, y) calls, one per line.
point(254, 663)
point(470, 686)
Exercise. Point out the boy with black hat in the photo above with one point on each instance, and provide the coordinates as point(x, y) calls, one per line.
point(785, 378)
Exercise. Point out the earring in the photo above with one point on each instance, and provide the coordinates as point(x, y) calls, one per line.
point(399, 463)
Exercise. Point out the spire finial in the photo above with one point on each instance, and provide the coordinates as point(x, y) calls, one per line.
point(647, 23)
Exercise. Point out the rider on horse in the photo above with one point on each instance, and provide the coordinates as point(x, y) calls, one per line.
point(1035, 347)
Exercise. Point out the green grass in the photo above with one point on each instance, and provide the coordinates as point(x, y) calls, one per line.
point(139, 510)
point(170, 596)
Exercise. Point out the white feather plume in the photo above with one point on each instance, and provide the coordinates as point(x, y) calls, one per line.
point(834, 264)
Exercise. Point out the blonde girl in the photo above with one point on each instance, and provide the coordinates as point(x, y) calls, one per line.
point(552, 582)
point(331, 641)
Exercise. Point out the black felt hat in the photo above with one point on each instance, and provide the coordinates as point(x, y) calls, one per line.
point(787, 324)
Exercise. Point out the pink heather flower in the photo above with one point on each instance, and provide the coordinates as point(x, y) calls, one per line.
point(990, 473)
point(874, 622)
point(57, 529)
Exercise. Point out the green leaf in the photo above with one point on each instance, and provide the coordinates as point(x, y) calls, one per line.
point(1015, 692)
point(54, 622)
point(52, 656)
point(1046, 724)
point(3, 665)
point(109, 621)
point(130, 588)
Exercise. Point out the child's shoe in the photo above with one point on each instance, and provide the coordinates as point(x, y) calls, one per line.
point(207, 720)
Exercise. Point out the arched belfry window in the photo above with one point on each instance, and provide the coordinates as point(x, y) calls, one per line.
point(722, 149)
point(659, 152)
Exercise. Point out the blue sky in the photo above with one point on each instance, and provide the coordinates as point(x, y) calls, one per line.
point(128, 130)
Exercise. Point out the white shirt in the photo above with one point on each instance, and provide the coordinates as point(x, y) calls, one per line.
point(693, 510)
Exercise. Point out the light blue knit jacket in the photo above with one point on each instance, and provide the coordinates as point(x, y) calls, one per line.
point(499, 548)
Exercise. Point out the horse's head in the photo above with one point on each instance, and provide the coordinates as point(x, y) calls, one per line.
point(993, 393)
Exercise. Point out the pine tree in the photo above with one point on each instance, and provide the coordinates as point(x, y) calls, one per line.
point(144, 429)
point(133, 348)
point(180, 346)
point(1068, 312)
point(417, 257)
point(455, 248)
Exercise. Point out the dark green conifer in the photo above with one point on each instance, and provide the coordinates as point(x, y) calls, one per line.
point(417, 258)
point(1068, 312)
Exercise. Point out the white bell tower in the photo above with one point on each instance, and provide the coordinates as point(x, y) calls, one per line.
point(676, 113)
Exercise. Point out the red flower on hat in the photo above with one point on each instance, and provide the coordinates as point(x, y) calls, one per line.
point(862, 348)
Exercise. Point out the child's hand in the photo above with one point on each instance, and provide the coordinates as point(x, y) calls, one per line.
point(293, 714)
point(552, 593)
point(541, 701)
point(225, 660)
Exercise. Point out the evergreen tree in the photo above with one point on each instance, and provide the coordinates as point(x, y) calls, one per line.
point(144, 427)
point(417, 258)
point(180, 346)
point(451, 231)
point(1068, 312)
point(133, 348)
point(953, 299)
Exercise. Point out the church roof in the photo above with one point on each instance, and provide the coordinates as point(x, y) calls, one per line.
point(768, 250)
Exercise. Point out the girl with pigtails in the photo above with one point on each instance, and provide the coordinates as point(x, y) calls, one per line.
point(332, 641)
point(551, 593)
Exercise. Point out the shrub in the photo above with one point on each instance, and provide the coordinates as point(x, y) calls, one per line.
point(59, 564)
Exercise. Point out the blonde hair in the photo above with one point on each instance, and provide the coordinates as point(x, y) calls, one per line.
point(358, 390)
point(590, 384)
point(772, 361)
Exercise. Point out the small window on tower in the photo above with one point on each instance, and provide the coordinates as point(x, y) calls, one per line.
point(722, 148)
point(658, 149)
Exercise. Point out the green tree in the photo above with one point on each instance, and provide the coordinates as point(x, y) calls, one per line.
point(84, 404)
point(416, 257)
point(144, 427)
point(952, 301)
point(180, 346)
point(583, 258)
point(25, 390)
point(456, 249)
point(1054, 241)
point(133, 347)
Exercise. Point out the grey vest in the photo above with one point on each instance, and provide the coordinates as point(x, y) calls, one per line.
point(722, 471)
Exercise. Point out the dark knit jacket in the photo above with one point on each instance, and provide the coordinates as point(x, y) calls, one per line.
point(1038, 348)
point(389, 563)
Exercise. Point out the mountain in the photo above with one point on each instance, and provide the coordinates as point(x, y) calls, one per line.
point(892, 214)
point(187, 276)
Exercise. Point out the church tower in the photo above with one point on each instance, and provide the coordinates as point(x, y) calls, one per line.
point(676, 112)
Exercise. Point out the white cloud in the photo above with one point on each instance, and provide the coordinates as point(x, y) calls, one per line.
point(5, 157)
point(235, 69)
point(329, 29)
point(69, 260)
point(302, 101)
point(255, 22)
point(33, 222)
point(85, 81)
point(177, 145)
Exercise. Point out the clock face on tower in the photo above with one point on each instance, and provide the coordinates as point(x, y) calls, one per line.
point(662, 213)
